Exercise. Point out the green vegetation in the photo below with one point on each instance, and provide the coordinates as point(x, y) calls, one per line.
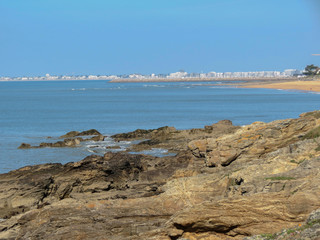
point(280, 178)
point(268, 236)
point(310, 224)
point(294, 161)
point(315, 114)
point(312, 70)
point(312, 134)
point(290, 231)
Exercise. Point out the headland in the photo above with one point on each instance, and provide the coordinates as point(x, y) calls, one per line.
point(260, 181)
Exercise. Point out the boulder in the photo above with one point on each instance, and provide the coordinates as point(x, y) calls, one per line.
point(70, 134)
point(24, 146)
point(89, 133)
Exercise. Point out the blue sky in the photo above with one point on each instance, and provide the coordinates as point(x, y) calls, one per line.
point(153, 36)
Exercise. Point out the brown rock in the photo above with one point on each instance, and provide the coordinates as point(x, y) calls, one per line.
point(89, 133)
point(268, 179)
point(24, 146)
point(70, 134)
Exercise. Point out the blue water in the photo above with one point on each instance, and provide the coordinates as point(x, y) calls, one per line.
point(32, 111)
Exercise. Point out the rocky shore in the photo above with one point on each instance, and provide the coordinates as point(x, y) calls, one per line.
point(260, 181)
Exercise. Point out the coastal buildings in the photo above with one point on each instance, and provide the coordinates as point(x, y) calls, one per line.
point(175, 75)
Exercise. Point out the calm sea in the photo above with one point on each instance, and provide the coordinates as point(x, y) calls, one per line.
point(32, 111)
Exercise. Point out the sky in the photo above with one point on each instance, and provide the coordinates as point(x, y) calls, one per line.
point(76, 37)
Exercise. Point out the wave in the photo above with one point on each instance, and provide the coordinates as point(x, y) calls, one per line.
point(109, 145)
point(78, 89)
point(157, 152)
point(155, 86)
point(98, 89)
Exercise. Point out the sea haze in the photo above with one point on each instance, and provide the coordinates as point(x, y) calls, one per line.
point(32, 111)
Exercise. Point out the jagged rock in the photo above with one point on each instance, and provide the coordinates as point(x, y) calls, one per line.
point(229, 184)
point(253, 141)
point(70, 134)
point(84, 133)
point(172, 139)
point(24, 146)
point(113, 147)
point(89, 133)
point(96, 138)
point(71, 139)
point(137, 134)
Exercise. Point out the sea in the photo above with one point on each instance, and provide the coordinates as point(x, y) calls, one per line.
point(34, 112)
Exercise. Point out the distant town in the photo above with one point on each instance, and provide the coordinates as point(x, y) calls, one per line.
point(176, 75)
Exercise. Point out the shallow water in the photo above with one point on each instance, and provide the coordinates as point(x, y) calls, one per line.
point(32, 111)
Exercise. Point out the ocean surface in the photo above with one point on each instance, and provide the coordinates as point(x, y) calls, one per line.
point(31, 112)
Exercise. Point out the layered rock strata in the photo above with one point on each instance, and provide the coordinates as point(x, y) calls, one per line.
point(241, 182)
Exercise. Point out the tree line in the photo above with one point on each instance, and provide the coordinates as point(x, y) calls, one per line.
point(311, 70)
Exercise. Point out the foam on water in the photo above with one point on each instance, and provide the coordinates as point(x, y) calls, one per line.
point(154, 86)
point(157, 152)
point(101, 147)
point(78, 89)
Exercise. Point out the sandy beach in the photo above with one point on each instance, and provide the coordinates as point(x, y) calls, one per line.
point(313, 86)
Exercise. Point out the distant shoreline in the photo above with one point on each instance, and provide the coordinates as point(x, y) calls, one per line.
point(55, 80)
point(124, 80)
point(128, 80)
point(290, 83)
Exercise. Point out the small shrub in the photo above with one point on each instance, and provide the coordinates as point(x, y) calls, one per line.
point(290, 231)
point(268, 236)
point(315, 114)
point(294, 161)
point(314, 133)
point(280, 178)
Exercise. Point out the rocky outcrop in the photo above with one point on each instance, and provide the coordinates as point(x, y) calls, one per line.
point(234, 183)
point(172, 139)
point(254, 140)
point(308, 230)
point(71, 139)
point(72, 134)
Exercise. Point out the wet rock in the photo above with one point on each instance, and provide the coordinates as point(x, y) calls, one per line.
point(113, 147)
point(24, 146)
point(71, 139)
point(89, 133)
point(70, 134)
point(96, 138)
point(137, 134)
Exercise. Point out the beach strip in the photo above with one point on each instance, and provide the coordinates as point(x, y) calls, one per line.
point(312, 86)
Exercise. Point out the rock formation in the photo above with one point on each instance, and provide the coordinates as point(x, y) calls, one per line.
point(71, 139)
point(225, 182)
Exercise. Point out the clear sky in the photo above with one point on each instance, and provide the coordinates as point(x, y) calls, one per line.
point(156, 36)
